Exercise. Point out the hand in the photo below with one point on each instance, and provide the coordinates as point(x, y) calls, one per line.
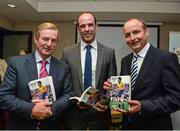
point(41, 110)
point(82, 106)
point(100, 106)
point(135, 107)
point(107, 85)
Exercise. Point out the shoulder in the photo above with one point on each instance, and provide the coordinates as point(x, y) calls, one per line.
point(159, 53)
point(70, 48)
point(127, 57)
point(20, 58)
point(59, 62)
point(104, 47)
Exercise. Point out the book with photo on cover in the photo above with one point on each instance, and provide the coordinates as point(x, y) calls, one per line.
point(120, 92)
point(89, 97)
point(42, 88)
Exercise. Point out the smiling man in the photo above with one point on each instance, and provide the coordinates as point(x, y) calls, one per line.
point(15, 96)
point(100, 66)
point(156, 91)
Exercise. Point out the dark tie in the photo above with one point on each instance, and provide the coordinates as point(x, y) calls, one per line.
point(88, 68)
point(43, 70)
point(134, 71)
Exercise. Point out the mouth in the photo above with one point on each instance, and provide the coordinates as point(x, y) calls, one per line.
point(88, 34)
point(135, 43)
point(47, 50)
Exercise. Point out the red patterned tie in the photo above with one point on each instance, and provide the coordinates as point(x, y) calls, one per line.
point(43, 70)
point(43, 73)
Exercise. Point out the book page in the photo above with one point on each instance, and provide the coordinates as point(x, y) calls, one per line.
point(89, 95)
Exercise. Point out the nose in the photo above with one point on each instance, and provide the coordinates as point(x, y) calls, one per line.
point(132, 37)
point(49, 43)
point(86, 28)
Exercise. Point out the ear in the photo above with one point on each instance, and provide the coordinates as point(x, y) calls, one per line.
point(147, 32)
point(35, 40)
point(96, 27)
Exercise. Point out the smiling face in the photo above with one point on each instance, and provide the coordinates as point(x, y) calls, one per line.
point(87, 27)
point(136, 34)
point(46, 40)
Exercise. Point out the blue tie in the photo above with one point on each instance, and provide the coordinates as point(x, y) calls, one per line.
point(134, 71)
point(88, 68)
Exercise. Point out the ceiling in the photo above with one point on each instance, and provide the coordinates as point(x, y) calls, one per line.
point(105, 10)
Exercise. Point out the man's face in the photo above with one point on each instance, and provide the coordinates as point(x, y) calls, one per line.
point(87, 28)
point(135, 35)
point(46, 42)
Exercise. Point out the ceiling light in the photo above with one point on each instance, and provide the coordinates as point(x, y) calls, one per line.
point(11, 5)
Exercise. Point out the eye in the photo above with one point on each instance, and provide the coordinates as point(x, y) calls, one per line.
point(136, 32)
point(54, 40)
point(82, 26)
point(127, 35)
point(90, 24)
point(45, 39)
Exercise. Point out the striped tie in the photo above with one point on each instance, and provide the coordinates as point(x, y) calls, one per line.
point(43, 70)
point(134, 71)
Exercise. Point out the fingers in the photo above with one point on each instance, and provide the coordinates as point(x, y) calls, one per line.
point(44, 101)
point(107, 85)
point(36, 100)
point(100, 107)
point(122, 111)
point(41, 110)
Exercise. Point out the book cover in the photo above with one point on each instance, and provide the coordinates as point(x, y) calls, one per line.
point(120, 92)
point(42, 88)
point(89, 97)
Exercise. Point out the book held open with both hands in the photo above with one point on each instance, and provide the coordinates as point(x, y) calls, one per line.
point(42, 88)
point(120, 92)
point(89, 97)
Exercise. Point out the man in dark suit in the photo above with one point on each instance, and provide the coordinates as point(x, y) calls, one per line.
point(103, 66)
point(156, 92)
point(15, 95)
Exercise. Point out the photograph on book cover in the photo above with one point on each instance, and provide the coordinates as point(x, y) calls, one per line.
point(42, 88)
point(120, 92)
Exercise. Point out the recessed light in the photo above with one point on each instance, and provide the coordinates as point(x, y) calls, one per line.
point(11, 5)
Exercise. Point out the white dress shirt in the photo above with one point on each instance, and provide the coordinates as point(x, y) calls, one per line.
point(94, 59)
point(141, 55)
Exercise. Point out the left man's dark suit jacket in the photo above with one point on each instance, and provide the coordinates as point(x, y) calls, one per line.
point(15, 95)
point(105, 67)
point(157, 88)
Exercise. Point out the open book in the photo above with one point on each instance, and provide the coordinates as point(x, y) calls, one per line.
point(89, 97)
point(42, 88)
point(120, 92)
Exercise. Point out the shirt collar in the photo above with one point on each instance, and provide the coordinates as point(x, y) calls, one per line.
point(143, 51)
point(93, 44)
point(39, 59)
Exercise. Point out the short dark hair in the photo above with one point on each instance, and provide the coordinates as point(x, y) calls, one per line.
point(39, 82)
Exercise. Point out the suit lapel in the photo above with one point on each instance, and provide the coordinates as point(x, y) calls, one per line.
point(99, 62)
point(30, 65)
point(144, 67)
point(53, 68)
point(77, 55)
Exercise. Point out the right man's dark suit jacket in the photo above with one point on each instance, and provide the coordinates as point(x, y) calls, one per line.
point(105, 67)
point(15, 96)
point(157, 88)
